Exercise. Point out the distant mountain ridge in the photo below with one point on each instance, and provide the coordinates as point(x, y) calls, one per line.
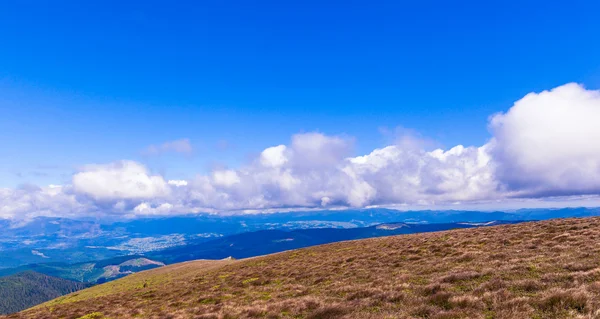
point(26, 289)
point(46, 239)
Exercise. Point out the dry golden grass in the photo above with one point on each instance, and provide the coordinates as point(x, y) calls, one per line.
point(545, 269)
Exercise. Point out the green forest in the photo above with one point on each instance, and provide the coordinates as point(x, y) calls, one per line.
point(26, 289)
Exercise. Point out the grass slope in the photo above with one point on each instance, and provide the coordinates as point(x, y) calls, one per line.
point(265, 242)
point(544, 269)
point(23, 290)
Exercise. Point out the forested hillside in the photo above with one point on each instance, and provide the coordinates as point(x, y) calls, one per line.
point(23, 290)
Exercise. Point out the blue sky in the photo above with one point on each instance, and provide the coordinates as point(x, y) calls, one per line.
point(84, 83)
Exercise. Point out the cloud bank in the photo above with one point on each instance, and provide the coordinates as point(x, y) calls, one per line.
point(545, 145)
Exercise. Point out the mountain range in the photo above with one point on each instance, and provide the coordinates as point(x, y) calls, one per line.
point(45, 240)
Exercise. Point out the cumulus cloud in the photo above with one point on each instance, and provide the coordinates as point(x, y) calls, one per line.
point(314, 150)
point(398, 175)
point(225, 178)
point(274, 156)
point(182, 146)
point(544, 145)
point(30, 201)
point(314, 170)
point(120, 180)
point(547, 143)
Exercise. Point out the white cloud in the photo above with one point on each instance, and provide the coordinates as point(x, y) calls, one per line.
point(226, 178)
point(177, 182)
point(398, 175)
point(315, 150)
point(148, 209)
point(273, 156)
point(544, 145)
point(119, 180)
point(27, 202)
point(182, 146)
point(547, 143)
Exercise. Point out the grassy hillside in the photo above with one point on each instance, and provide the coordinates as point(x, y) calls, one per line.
point(265, 242)
point(23, 290)
point(544, 269)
